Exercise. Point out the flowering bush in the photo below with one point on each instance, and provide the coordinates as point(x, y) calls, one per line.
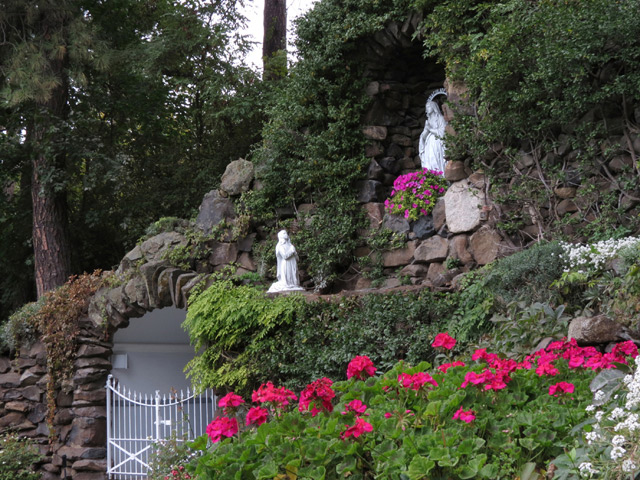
point(589, 258)
point(490, 417)
point(17, 457)
point(610, 439)
point(415, 194)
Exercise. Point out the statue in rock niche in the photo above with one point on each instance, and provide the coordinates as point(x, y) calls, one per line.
point(287, 265)
point(431, 146)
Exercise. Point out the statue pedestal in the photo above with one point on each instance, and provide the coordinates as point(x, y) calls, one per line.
point(283, 287)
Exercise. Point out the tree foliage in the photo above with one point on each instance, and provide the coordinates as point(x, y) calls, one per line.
point(534, 67)
point(157, 104)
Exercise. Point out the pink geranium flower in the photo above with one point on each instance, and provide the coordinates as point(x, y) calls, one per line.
point(317, 394)
point(546, 368)
point(360, 427)
point(230, 400)
point(256, 416)
point(356, 406)
point(466, 416)
point(444, 340)
point(222, 427)
point(416, 381)
point(446, 366)
point(279, 396)
point(560, 388)
point(360, 367)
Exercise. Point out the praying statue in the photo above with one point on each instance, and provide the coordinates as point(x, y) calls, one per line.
point(431, 147)
point(287, 265)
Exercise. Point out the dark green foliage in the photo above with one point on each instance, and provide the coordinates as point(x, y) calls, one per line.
point(527, 275)
point(535, 66)
point(157, 106)
point(230, 324)
point(250, 338)
point(313, 148)
point(17, 457)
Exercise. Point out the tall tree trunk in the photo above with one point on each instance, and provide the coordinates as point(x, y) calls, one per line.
point(51, 244)
point(274, 44)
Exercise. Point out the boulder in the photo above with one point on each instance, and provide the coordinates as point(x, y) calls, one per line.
point(439, 215)
point(485, 245)
point(463, 205)
point(237, 177)
point(423, 227)
point(596, 330)
point(375, 132)
point(375, 171)
point(370, 191)
point(374, 213)
point(396, 223)
point(401, 256)
point(153, 248)
point(434, 249)
point(455, 171)
point(223, 254)
point(214, 209)
point(459, 249)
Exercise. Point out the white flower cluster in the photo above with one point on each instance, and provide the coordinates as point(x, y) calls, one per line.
point(583, 258)
point(616, 434)
point(586, 469)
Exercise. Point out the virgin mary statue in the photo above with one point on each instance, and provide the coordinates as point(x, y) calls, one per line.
point(431, 147)
point(287, 265)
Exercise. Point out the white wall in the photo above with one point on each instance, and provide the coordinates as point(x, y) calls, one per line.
point(157, 350)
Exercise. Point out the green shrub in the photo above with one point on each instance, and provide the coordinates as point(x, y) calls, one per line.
point(17, 457)
point(21, 328)
point(326, 335)
point(227, 325)
point(313, 147)
point(527, 275)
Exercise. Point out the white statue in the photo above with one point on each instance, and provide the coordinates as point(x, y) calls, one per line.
point(287, 265)
point(431, 147)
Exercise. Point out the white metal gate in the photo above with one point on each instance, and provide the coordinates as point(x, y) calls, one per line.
point(135, 422)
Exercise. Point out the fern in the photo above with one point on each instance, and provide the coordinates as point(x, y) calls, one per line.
point(227, 325)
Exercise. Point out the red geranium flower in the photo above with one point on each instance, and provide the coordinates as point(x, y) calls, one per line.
point(560, 388)
point(466, 417)
point(222, 427)
point(416, 381)
point(279, 396)
point(318, 393)
point(444, 340)
point(446, 366)
point(357, 429)
point(356, 406)
point(360, 366)
point(256, 416)
point(230, 400)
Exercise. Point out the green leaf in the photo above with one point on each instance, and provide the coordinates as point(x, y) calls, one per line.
point(528, 472)
point(419, 467)
point(349, 465)
point(268, 471)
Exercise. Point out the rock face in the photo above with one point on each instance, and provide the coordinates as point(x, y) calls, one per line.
point(463, 205)
point(237, 177)
point(214, 209)
point(485, 245)
point(599, 329)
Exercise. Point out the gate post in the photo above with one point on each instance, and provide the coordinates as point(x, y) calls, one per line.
point(157, 439)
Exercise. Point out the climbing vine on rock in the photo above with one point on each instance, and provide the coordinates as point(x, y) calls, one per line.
point(57, 321)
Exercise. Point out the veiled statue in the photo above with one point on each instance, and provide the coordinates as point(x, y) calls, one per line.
point(287, 265)
point(431, 147)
